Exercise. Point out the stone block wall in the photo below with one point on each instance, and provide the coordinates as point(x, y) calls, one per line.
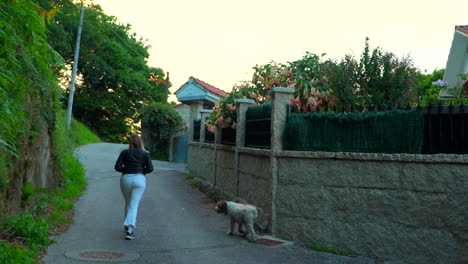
point(255, 178)
point(203, 162)
point(410, 208)
point(226, 177)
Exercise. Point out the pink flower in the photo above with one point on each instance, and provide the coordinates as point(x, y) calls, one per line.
point(253, 96)
point(212, 129)
point(230, 107)
point(311, 101)
point(313, 91)
point(219, 121)
point(295, 102)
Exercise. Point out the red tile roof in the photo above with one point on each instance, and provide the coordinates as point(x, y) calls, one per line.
point(207, 86)
point(211, 88)
point(462, 29)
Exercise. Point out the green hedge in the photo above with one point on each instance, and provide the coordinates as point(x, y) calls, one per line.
point(396, 131)
point(259, 112)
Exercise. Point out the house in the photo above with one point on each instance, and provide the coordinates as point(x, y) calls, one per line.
point(192, 91)
point(457, 63)
point(197, 90)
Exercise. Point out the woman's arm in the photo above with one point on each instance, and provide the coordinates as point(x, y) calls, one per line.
point(119, 163)
point(148, 164)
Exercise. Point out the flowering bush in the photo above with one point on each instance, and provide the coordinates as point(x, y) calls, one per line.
point(378, 78)
point(306, 76)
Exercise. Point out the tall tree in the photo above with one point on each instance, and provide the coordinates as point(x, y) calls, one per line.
point(113, 75)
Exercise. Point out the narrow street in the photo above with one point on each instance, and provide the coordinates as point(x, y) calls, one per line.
point(176, 223)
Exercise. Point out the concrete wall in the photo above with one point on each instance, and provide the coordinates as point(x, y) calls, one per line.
point(184, 112)
point(411, 208)
point(216, 165)
point(255, 183)
point(203, 161)
point(226, 177)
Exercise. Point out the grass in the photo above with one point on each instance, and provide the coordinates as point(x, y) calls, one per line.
point(317, 247)
point(189, 176)
point(45, 212)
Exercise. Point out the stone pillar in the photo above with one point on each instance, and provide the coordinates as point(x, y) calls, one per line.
point(279, 110)
point(218, 136)
point(195, 108)
point(241, 110)
point(204, 113)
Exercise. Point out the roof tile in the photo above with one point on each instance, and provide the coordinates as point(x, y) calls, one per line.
point(462, 29)
point(211, 88)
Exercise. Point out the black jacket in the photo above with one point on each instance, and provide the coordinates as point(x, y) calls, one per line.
point(133, 162)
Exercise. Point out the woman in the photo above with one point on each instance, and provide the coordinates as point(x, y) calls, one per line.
point(133, 163)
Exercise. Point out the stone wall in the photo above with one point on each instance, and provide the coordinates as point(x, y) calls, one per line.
point(255, 178)
point(411, 208)
point(226, 178)
point(202, 163)
point(250, 182)
point(36, 165)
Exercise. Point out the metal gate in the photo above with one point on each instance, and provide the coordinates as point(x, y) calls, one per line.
point(180, 149)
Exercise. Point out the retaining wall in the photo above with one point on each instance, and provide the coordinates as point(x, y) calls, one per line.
point(400, 207)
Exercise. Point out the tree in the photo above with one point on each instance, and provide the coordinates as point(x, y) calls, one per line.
point(426, 91)
point(159, 122)
point(113, 75)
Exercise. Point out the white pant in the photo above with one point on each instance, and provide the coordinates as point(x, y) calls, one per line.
point(132, 187)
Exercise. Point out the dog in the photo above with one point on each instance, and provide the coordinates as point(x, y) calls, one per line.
point(242, 214)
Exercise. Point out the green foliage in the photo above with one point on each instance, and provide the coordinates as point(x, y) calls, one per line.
point(189, 176)
point(73, 175)
point(27, 191)
point(196, 182)
point(160, 121)
point(15, 255)
point(425, 90)
point(317, 247)
point(28, 87)
point(378, 79)
point(114, 77)
point(35, 230)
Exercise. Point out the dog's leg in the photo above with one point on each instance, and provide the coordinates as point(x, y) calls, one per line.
point(231, 231)
point(251, 235)
point(240, 229)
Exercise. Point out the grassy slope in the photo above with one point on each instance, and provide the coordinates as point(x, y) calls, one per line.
point(24, 237)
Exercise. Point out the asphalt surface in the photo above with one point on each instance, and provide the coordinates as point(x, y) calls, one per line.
point(176, 223)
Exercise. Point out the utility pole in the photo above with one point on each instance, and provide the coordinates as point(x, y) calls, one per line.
point(166, 92)
point(75, 65)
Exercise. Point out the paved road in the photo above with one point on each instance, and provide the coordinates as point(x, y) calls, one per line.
point(176, 224)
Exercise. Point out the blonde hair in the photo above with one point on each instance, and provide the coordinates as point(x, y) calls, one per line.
point(136, 142)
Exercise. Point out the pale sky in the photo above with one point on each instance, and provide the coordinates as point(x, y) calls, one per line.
point(219, 42)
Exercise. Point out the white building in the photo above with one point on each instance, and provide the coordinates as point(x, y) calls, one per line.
point(457, 63)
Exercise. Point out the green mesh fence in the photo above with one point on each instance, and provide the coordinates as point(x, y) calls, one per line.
point(395, 131)
point(259, 112)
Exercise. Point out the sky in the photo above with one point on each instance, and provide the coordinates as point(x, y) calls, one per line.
point(220, 41)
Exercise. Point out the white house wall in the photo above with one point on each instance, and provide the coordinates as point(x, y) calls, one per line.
point(457, 62)
point(191, 90)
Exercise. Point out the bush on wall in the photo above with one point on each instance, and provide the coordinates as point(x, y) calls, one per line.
point(159, 122)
